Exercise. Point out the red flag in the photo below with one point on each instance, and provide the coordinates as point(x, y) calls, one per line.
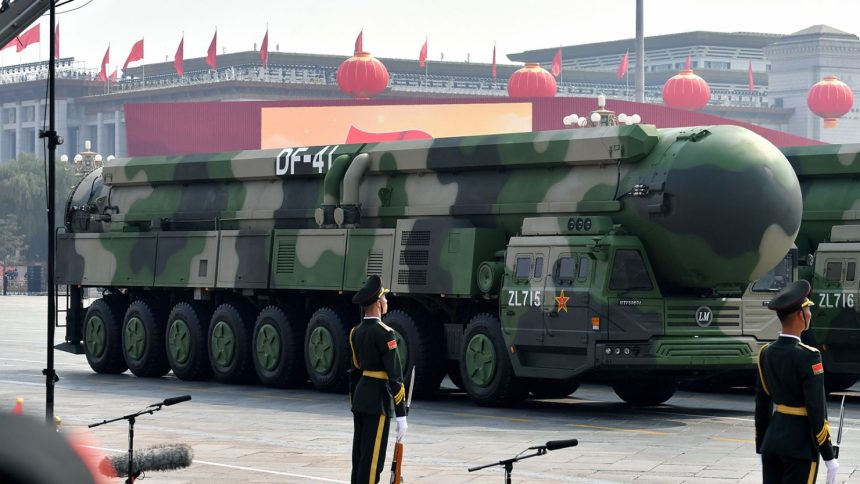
point(18, 409)
point(359, 42)
point(556, 63)
point(750, 76)
point(29, 37)
point(689, 63)
point(422, 57)
point(623, 65)
point(179, 57)
point(105, 62)
point(494, 61)
point(57, 42)
point(264, 49)
point(113, 75)
point(210, 56)
point(136, 53)
point(12, 43)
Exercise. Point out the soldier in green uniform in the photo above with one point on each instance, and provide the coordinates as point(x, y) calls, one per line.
point(791, 376)
point(376, 384)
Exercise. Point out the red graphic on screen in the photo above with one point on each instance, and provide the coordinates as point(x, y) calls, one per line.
point(356, 135)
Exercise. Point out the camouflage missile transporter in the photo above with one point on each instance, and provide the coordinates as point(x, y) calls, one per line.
point(828, 251)
point(519, 263)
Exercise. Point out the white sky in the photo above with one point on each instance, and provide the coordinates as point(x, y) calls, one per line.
point(397, 28)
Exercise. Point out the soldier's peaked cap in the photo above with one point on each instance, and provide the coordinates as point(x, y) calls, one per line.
point(371, 292)
point(791, 298)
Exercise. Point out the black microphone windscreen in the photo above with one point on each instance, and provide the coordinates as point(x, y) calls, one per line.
point(174, 400)
point(157, 458)
point(561, 444)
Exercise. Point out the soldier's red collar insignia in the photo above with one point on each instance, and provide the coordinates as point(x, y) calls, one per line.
point(392, 344)
point(562, 300)
point(817, 369)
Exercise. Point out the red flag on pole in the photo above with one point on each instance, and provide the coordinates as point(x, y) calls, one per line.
point(210, 55)
point(264, 49)
point(57, 42)
point(556, 63)
point(359, 42)
point(179, 57)
point(105, 62)
point(136, 53)
point(422, 56)
point(623, 65)
point(28, 38)
point(750, 76)
point(689, 63)
point(113, 75)
point(494, 61)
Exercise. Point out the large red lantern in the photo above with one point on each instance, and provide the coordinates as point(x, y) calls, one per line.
point(362, 76)
point(531, 80)
point(830, 99)
point(687, 91)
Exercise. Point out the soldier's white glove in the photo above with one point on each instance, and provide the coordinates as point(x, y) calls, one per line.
point(401, 428)
point(832, 466)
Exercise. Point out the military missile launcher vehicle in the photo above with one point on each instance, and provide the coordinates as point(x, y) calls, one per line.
point(828, 251)
point(518, 263)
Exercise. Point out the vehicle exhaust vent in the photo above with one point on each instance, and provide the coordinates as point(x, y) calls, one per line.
point(375, 261)
point(412, 277)
point(415, 237)
point(286, 260)
point(414, 257)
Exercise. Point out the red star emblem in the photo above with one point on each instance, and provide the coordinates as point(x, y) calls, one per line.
point(562, 300)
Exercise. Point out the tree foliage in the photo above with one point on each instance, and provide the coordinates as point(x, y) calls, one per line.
point(22, 194)
point(11, 240)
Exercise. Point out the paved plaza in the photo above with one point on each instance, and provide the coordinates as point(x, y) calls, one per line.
point(256, 434)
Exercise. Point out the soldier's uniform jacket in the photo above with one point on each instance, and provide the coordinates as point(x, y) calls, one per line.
point(791, 376)
point(376, 379)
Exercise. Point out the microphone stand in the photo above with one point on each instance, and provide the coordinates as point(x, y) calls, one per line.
point(509, 463)
point(131, 419)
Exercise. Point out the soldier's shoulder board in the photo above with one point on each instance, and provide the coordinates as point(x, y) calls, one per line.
point(810, 348)
point(385, 326)
point(818, 368)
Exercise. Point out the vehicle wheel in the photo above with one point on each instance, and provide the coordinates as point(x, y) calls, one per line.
point(485, 366)
point(838, 382)
point(187, 328)
point(422, 350)
point(645, 391)
point(103, 338)
point(327, 352)
point(277, 344)
point(546, 388)
point(143, 340)
point(230, 343)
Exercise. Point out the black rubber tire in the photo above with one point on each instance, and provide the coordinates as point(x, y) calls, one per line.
point(645, 392)
point(546, 388)
point(238, 317)
point(196, 315)
point(425, 350)
point(289, 370)
point(838, 382)
point(504, 388)
point(153, 360)
point(335, 379)
point(110, 359)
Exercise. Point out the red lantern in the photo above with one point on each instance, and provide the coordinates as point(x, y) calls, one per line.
point(362, 76)
point(830, 99)
point(531, 80)
point(686, 91)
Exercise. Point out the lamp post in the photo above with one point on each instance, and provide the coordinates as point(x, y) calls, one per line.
point(87, 160)
point(601, 117)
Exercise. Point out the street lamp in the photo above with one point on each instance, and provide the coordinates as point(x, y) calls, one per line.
point(601, 117)
point(87, 160)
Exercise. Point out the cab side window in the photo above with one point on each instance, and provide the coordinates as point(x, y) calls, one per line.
point(524, 267)
point(565, 270)
point(538, 267)
point(584, 267)
point(850, 269)
point(833, 271)
point(629, 272)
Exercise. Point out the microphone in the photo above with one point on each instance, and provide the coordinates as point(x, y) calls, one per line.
point(157, 458)
point(174, 400)
point(561, 444)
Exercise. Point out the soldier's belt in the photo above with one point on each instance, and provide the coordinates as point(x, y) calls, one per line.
point(799, 411)
point(379, 374)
